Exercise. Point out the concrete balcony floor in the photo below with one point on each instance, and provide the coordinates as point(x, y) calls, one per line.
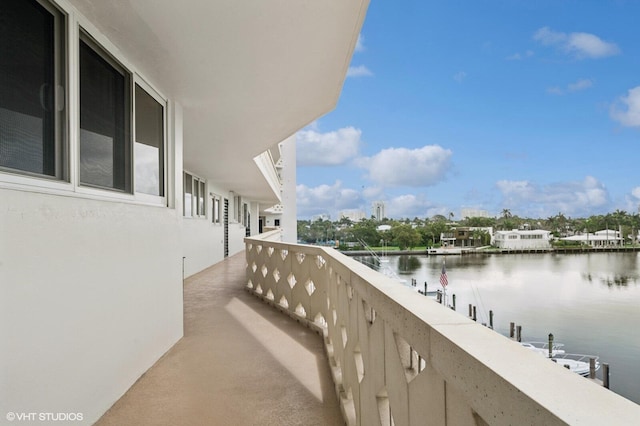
point(240, 362)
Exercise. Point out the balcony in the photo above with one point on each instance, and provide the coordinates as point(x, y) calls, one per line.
point(338, 343)
point(239, 363)
point(398, 358)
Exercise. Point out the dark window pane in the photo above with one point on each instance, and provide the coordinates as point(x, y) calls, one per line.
point(149, 144)
point(31, 40)
point(196, 196)
point(188, 200)
point(201, 199)
point(104, 135)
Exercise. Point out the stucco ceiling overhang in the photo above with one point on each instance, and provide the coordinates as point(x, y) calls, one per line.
point(248, 73)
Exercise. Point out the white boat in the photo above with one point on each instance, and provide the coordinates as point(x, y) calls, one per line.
point(444, 251)
point(383, 265)
point(577, 363)
point(543, 348)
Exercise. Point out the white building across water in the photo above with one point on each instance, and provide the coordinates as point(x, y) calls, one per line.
point(522, 239)
point(604, 238)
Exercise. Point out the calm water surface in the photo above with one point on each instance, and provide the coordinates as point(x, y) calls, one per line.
point(590, 302)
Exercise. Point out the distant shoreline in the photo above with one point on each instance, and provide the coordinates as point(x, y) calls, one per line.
point(464, 252)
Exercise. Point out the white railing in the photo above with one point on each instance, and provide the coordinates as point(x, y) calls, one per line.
point(400, 358)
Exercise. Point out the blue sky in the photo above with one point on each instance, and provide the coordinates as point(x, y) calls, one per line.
point(532, 106)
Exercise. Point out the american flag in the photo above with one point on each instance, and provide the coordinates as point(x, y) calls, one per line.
point(443, 276)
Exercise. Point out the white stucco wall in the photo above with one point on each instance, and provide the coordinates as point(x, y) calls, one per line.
point(90, 298)
point(203, 240)
point(202, 244)
point(289, 221)
point(502, 240)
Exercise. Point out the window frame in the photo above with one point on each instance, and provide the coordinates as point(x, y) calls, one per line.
point(61, 69)
point(73, 25)
point(106, 54)
point(144, 85)
point(216, 209)
point(245, 214)
point(198, 199)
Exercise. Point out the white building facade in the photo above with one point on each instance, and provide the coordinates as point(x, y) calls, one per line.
point(353, 215)
point(519, 239)
point(138, 145)
point(603, 238)
point(378, 210)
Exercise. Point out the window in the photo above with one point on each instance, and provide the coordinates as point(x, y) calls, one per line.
point(32, 89)
point(245, 214)
point(149, 144)
point(276, 222)
point(237, 201)
point(215, 209)
point(194, 190)
point(188, 195)
point(105, 147)
point(201, 209)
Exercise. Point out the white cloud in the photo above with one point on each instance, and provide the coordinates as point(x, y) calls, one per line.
point(460, 76)
point(632, 200)
point(373, 192)
point(581, 84)
point(520, 56)
point(424, 166)
point(360, 43)
point(555, 90)
point(314, 125)
point(408, 205)
point(570, 198)
point(626, 110)
point(326, 199)
point(359, 71)
point(579, 45)
point(327, 149)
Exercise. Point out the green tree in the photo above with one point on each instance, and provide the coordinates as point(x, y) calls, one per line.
point(366, 231)
point(431, 232)
point(482, 236)
point(479, 222)
point(405, 236)
point(438, 218)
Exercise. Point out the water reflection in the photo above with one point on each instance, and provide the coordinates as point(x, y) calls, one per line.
point(618, 280)
point(408, 264)
point(588, 301)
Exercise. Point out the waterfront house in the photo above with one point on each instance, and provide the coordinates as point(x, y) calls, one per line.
point(517, 239)
point(603, 238)
point(465, 236)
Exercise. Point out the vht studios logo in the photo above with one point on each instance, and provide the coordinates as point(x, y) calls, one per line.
point(45, 417)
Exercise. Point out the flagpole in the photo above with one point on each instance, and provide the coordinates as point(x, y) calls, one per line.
point(444, 287)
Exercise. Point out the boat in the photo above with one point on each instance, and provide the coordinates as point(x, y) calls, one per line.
point(383, 265)
point(577, 363)
point(543, 348)
point(444, 251)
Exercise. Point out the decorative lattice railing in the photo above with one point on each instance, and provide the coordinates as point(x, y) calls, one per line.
point(399, 358)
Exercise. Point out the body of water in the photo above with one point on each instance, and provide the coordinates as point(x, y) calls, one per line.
point(590, 302)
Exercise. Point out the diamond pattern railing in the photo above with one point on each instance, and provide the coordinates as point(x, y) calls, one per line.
point(398, 358)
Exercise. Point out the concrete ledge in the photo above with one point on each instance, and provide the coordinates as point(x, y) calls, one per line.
point(388, 348)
